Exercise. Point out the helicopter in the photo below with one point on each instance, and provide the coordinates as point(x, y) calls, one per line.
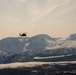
point(23, 34)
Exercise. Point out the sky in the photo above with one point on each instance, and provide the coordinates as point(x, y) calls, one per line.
point(56, 18)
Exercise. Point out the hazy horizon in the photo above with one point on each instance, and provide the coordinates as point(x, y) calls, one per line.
point(56, 18)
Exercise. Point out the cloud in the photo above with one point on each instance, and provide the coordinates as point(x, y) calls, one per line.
point(66, 11)
point(50, 9)
point(67, 1)
point(9, 20)
point(20, 0)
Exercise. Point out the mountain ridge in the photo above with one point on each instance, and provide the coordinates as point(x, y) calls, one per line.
point(14, 44)
point(22, 49)
point(38, 42)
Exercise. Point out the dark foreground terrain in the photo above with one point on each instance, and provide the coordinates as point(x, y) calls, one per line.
point(53, 69)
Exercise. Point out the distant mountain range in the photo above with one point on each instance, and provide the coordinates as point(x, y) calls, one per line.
point(20, 44)
point(20, 49)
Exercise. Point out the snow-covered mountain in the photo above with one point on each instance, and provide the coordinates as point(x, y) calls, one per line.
point(40, 42)
point(21, 44)
point(68, 46)
point(72, 37)
point(36, 43)
point(20, 49)
point(12, 44)
point(70, 42)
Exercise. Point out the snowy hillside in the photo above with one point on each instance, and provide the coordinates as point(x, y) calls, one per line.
point(4, 56)
point(37, 44)
point(22, 49)
point(70, 42)
point(40, 42)
point(67, 47)
point(12, 44)
point(72, 37)
point(8, 57)
point(21, 44)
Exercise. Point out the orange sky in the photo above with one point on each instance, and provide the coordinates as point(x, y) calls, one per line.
point(56, 18)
